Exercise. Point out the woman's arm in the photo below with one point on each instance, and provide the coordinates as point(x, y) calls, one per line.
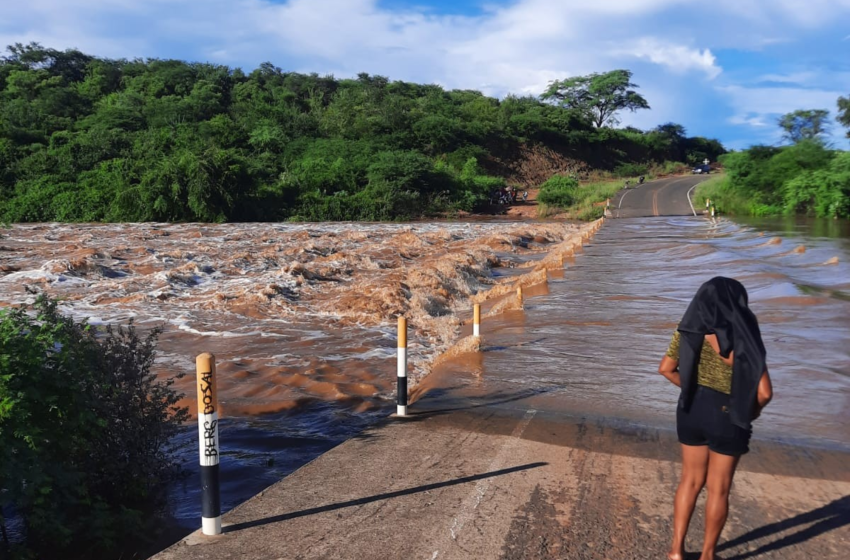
point(764, 395)
point(669, 368)
point(712, 339)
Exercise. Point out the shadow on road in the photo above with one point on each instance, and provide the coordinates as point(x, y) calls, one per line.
point(829, 517)
point(377, 497)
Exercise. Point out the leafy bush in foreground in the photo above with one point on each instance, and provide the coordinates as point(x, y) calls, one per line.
point(84, 429)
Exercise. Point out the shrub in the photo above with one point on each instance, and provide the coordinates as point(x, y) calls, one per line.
point(558, 191)
point(630, 170)
point(84, 429)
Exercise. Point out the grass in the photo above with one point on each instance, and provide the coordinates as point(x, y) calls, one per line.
point(602, 187)
point(724, 199)
point(588, 194)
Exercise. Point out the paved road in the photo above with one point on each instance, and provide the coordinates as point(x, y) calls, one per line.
point(665, 197)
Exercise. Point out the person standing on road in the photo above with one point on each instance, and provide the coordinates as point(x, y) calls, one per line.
point(717, 358)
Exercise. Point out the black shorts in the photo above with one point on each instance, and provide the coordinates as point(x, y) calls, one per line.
point(708, 423)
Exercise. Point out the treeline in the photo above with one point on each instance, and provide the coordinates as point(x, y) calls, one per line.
point(84, 138)
point(805, 177)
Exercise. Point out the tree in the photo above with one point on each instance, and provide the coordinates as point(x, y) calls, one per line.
point(844, 112)
point(804, 124)
point(599, 96)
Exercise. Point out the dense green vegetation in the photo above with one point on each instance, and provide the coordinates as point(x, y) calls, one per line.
point(89, 139)
point(806, 177)
point(84, 429)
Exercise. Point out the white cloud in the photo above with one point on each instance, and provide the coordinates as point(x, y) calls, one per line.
point(778, 101)
point(760, 108)
point(799, 78)
point(756, 121)
point(677, 58)
point(808, 13)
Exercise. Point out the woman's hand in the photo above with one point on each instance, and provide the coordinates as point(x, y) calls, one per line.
point(764, 394)
point(669, 368)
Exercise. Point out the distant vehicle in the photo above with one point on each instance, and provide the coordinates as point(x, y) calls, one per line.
point(701, 169)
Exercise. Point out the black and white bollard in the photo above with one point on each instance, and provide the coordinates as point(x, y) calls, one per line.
point(208, 435)
point(476, 319)
point(402, 367)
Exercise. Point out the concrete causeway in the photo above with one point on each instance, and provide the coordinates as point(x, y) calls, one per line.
point(507, 481)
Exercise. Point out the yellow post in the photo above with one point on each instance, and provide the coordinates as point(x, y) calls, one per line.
point(401, 388)
point(519, 295)
point(476, 319)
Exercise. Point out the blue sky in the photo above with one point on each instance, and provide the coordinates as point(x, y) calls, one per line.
point(725, 69)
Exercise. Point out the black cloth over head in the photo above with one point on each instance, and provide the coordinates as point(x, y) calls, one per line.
point(720, 307)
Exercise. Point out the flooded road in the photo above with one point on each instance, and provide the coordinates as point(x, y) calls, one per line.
point(592, 344)
point(301, 318)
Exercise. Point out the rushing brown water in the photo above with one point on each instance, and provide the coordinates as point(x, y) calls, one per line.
point(301, 318)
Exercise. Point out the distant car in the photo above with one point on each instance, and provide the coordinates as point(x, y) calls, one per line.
point(700, 169)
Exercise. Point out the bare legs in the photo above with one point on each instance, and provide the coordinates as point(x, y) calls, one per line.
point(694, 470)
point(698, 466)
point(721, 469)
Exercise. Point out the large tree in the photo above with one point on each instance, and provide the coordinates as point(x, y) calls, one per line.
point(804, 124)
point(844, 112)
point(599, 96)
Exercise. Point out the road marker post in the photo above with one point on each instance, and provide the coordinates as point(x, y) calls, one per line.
point(476, 319)
point(401, 389)
point(712, 211)
point(208, 444)
point(519, 295)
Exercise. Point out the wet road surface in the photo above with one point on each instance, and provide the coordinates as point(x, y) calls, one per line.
point(664, 197)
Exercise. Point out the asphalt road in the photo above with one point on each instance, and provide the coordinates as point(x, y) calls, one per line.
point(665, 197)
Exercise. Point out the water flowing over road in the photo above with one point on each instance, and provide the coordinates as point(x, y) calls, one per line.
point(592, 344)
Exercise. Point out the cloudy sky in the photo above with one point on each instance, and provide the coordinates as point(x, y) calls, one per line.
point(724, 68)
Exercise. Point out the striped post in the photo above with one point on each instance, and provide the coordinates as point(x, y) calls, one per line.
point(608, 203)
point(707, 202)
point(712, 211)
point(208, 436)
point(519, 295)
point(476, 319)
point(402, 367)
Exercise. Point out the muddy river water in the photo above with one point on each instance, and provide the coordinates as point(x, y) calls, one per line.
point(301, 319)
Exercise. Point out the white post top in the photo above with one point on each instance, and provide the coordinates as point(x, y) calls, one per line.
point(705, 161)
